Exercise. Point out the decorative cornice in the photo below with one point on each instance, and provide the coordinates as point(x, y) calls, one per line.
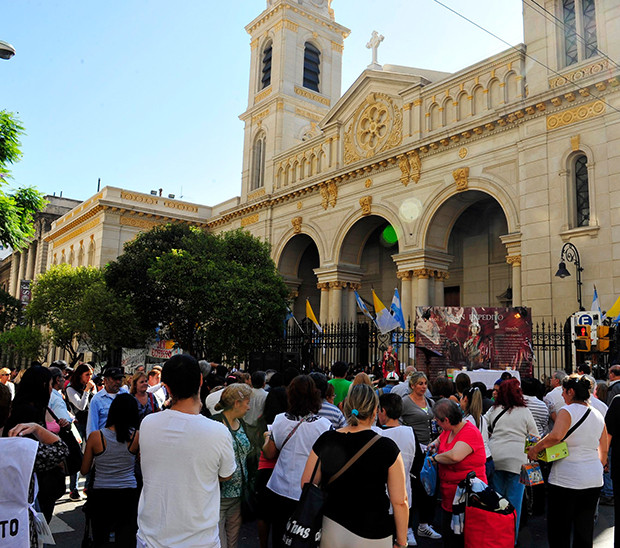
point(75, 233)
point(145, 224)
point(260, 96)
point(256, 194)
point(260, 115)
point(313, 96)
point(307, 114)
point(576, 75)
point(576, 114)
point(249, 220)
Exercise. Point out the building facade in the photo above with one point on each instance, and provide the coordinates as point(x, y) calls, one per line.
point(457, 188)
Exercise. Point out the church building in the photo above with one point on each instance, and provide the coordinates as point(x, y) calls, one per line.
point(457, 188)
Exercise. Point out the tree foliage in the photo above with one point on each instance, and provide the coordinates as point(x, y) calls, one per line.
point(215, 295)
point(10, 310)
point(77, 307)
point(16, 209)
point(23, 342)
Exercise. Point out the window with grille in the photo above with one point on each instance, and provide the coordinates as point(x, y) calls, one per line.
point(266, 71)
point(258, 163)
point(312, 62)
point(579, 18)
point(582, 193)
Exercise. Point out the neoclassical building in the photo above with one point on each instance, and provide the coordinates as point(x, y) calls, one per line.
point(457, 188)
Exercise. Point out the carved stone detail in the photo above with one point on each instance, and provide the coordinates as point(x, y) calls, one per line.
point(137, 223)
point(404, 275)
point(514, 260)
point(296, 222)
point(576, 114)
point(376, 126)
point(410, 167)
point(329, 194)
point(323, 286)
point(576, 75)
point(423, 273)
point(461, 178)
point(337, 285)
point(441, 275)
point(249, 220)
point(366, 203)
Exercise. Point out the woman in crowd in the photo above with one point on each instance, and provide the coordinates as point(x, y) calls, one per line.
point(293, 434)
point(80, 391)
point(471, 404)
point(443, 387)
point(111, 455)
point(462, 382)
point(510, 423)
point(459, 451)
point(575, 481)
point(356, 511)
point(30, 406)
point(418, 413)
point(234, 404)
point(147, 402)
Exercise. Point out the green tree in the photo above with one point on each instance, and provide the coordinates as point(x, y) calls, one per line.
point(10, 310)
point(215, 295)
point(23, 343)
point(77, 307)
point(16, 209)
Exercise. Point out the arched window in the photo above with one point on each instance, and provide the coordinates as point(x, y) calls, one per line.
point(258, 163)
point(91, 253)
point(579, 30)
point(312, 62)
point(581, 189)
point(266, 70)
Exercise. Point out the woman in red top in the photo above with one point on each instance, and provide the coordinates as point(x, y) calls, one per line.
point(460, 450)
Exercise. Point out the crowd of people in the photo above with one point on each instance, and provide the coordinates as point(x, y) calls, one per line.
point(181, 455)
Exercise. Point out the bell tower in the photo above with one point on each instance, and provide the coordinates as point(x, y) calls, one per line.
point(295, 77)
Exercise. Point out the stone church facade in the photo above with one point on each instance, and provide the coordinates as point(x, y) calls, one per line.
point(457, 188)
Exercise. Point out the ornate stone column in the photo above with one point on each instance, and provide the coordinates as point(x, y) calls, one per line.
point(512, 242)
point(22, 272)
point(324, 310)
point(423, 275)
point(32, 252)
point(335, 301)
point(440, 277)
point(515, 262)
point(351, 302)
point(406, 300)
point(14, 276)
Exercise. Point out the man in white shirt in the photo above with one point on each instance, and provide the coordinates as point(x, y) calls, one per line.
point(614, 383)
point(57, 402)
point(183, 456)
point(100, 404)
point(5, 375)
point(554, 399)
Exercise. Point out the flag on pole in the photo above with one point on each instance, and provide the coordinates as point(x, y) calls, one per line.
point(614, 311)
point(384, 320)
point(397, 309)
point(596, 305)
point(310, 314)
point(363, 306)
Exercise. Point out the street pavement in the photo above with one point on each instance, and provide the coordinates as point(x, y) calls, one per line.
point(68, 527)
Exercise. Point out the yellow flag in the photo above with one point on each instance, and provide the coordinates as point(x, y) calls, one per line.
point(614, 310)
point(310, 314)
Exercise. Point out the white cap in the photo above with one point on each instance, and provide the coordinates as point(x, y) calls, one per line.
point(392, 376)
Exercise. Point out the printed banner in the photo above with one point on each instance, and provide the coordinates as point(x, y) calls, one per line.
point(475, 337)
point(132, 358)
point(163, 350)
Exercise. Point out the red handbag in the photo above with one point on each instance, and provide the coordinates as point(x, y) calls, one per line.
point(487, 529)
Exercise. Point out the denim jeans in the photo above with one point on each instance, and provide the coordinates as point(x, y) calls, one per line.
point(507, 484)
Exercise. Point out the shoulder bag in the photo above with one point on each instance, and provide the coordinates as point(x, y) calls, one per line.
point(73, 462)
point(303, 529)
point(492, 425)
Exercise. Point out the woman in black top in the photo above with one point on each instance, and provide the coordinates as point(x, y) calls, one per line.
point(356, 511)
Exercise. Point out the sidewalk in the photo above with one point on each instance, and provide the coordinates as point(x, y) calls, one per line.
point(68, 527)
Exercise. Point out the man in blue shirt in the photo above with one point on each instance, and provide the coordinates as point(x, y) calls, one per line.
point(100, 404)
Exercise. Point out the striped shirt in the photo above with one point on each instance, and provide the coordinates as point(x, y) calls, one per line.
point(540, 412)
point(332, 414)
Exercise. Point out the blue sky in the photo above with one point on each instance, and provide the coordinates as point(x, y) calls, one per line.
point(146, 94)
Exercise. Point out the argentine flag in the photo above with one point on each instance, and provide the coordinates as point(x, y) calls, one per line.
point(362, 306)
point(596, 305)
point(397, 309)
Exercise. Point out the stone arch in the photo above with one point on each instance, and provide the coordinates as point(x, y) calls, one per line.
point(464, 106)
point(435, 117)
point(442, 211)
point(479, 103)
point(512, 86)
point(495, 93)
point(280, 177)
point(449, 111)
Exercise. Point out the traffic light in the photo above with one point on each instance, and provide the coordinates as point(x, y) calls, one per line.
point(583, 342)
point(604, 336)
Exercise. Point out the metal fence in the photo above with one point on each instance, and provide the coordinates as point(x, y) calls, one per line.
point(363, 344)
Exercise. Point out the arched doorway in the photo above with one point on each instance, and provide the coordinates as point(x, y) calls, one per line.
point(468, 228)
point(369, 245)
point(297, 262)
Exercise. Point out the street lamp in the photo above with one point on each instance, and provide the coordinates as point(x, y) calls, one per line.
point(6, 50)
point(569, 253)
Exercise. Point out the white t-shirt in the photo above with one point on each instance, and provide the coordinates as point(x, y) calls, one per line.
point(582, 469)
point(404, 437)
point(598, 405)
point(484, 430)
point(554, 400)
point(182, 458)
point(286, 477)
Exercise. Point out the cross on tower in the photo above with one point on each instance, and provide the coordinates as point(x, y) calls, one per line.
point(375, 40)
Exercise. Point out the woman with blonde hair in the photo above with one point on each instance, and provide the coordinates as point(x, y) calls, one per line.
point(346, 521)
point(471, 404)
point(234, 404)
point(147, 402)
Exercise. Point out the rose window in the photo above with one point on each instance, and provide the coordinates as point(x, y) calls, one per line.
point(373, 126)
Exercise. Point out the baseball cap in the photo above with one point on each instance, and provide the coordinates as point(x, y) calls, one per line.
point(392, 376)
point(114, 372)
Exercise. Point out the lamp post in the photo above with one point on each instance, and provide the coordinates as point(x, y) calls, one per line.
point(569, 253)
point(6, 50)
